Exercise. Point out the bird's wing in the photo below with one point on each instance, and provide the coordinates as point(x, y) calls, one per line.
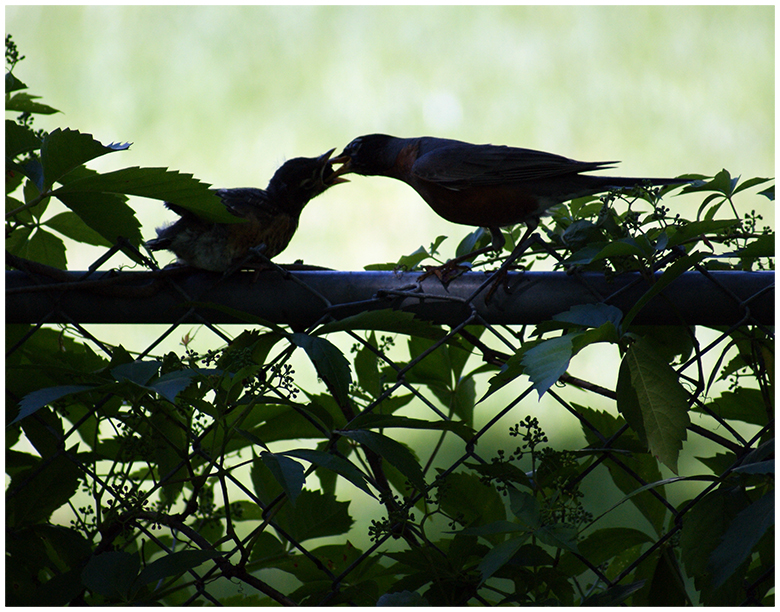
point(458, 166)
point(248, 201)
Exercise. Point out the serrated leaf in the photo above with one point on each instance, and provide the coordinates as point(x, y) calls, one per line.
point(591, 315)
point(613, 595)
point(26, 103)
point(111, 573)
point(334, 463)
point(512, 369)
point(159, 184)
point(547, 362)
point(64, 150)
point(42, 491)
point(42, 397)
point(171, 384)
point(628, 402)
point(317, 515)
point(331, 365)
point(288, 473)
point(662, 400)
point(499, 556)
point(106, 213)
point(19, 139)
point(42, 246)
point(402, 599)
point(670, 274)
point(173, 564)
point(139, 372)
point(744, 532)
point(71, 225)
point(395, 453)
point(763, 246)
point(393, 321)
point(370, 420)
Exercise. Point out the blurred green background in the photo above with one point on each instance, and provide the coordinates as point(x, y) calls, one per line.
point(229, 93)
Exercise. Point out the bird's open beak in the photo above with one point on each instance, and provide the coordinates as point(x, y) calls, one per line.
point(335, 175)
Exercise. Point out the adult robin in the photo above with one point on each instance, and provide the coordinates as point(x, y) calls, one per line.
point(271, 217)
point(482, 185)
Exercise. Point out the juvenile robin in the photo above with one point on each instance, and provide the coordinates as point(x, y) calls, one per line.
point(482, 185)
point(271, 217)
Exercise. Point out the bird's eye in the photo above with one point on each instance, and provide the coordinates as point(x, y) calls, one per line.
point(308, 183)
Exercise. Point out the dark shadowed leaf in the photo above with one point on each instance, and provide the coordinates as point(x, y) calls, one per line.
point(64, 150)
point(393, 452)
point(330, 363)
point(158, 184)
point(335, 463)
point(40, 398)
point(547, 362)
point(744, 532)
point(111, 573)
point(173, 564)
point(288, 473)
point(662, 400)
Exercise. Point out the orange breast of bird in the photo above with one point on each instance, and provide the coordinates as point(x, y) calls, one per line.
point(274, 231)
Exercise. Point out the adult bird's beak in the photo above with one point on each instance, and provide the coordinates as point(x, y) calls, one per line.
point(334, 177)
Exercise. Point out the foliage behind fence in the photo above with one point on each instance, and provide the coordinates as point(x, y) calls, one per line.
point(412, 469)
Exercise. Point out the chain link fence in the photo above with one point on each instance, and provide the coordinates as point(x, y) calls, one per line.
point(219, 477)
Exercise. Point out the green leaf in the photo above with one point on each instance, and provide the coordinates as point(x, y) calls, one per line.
point(499, 556)
point(171, 384)
point(158, 184)
point(38, 399)
point(393, 321)
point(393, 452)
point(331, 365)
point(111, 574)
point(317, 515)
point(558, 535)
point(402, 599)
point(42, 246)
point(512, 369)
point(105, 213)
point(64, 150)
point(13, 84)
point(71, 225)
point(614, 595)
point(173, 564)
point(699, 228)
point(763, 246)
point(139, 372)
point(628, 402)
point(26, 103)
point(742, 404)
point(288, 473)
point(662, 400)
point(591, 315)
point(547, 362)
point(670, 274)
point(42, 492)
point(19, 139)
point(472, 501)
point(369, 420)
point(744, 532)
point(602, 545)
point(337, 464)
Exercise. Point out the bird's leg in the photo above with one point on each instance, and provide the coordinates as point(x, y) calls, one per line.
point(499, 275)
point(445, 272)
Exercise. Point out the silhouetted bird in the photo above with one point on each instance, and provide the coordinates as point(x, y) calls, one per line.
point(271, 217)
point(482, 185)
